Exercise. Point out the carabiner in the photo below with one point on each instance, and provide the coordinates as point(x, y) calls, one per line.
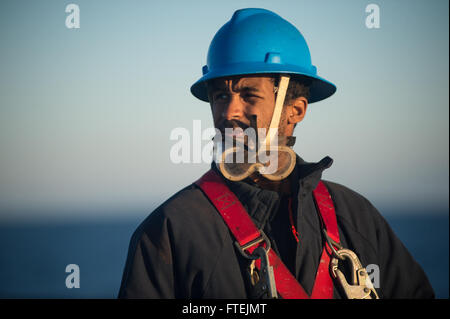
point(360, 286)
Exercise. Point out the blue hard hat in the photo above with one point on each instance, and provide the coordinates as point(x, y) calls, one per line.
point(258, 41)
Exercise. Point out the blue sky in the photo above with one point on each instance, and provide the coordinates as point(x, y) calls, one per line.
point(86, 114)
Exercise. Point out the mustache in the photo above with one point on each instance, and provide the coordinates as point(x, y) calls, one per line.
point(231, 124)
point(237, 124)
point(234, 124)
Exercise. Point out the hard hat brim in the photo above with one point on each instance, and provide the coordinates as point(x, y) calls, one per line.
point(320, 88)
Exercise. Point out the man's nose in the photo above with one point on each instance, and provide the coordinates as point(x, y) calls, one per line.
point(235, 109)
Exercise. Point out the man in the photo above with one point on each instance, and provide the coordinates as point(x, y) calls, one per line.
point(245, 230)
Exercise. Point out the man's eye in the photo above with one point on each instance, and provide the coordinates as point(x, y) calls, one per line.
point(220, 97)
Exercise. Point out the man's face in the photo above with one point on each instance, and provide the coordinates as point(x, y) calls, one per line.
point(235, 100)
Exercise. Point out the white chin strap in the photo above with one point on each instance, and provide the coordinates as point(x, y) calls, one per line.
point(279, 102)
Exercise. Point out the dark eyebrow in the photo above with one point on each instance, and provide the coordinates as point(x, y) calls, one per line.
point(249, 89)
point(219, 87)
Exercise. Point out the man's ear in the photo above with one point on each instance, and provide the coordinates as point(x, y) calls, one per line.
point(297, 110)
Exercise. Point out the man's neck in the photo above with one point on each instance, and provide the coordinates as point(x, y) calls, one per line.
point(283, 187)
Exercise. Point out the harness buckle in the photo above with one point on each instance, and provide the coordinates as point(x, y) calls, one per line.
point(261, 238)
point(265, 277)
point(360, 286)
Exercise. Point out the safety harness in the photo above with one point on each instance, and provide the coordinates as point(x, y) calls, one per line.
point(253, 243)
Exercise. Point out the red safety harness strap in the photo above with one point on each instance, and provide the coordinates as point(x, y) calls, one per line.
point(229, 207)
point(323, 285)
point(245, 232)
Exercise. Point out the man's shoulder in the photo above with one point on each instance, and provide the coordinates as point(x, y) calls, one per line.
point(190, 199)
point(347, 195)
point(187, 210)
point(353, 208)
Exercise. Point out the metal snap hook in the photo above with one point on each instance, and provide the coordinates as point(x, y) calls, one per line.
point(360, 286)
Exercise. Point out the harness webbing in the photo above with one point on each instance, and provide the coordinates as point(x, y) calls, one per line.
point(245, 232)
